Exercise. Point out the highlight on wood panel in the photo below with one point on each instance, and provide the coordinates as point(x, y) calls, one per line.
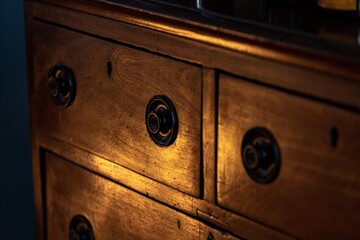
point(210, 120)
point(343, 5)
point(317, 179)
point(90, 204)
point(113, 90)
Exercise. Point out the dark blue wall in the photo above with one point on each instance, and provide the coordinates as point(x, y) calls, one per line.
point(16, 200)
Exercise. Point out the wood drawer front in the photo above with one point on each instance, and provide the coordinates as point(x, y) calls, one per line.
point(114, 212)
point(317, 192)
point(108, 115)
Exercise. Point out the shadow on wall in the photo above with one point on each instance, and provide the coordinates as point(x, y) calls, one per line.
point(16, 199)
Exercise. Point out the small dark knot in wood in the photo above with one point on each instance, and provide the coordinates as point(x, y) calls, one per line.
point(109, 68)
point(334, 137)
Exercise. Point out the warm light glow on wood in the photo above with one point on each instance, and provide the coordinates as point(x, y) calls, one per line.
point(345, 5)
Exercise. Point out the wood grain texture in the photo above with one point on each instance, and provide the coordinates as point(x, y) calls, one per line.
point(317, 192)
point(114, 212)
point(251, 44)
point(104, 131)
point(208, 233)
point(217, 216)
point(108, 115)
point(209, 134)
point(328, 84)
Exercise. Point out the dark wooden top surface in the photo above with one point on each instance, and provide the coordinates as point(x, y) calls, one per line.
point(325, 71)
point(298, 23)
point(334, 53)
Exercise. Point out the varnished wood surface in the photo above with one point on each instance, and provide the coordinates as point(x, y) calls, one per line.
point(108, 115)
point(209, 133)
point(221, 37)
point(229, 222)
point(317, 192)
point(311, 173)
point(331, 83)
point(343, 5)
point(114, 211)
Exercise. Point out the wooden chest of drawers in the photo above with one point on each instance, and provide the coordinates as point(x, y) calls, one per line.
point(147, 126)
point(110, 107)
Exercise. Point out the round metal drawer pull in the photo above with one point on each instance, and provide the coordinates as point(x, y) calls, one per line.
point(260, 155)
point(161, 121)
point(80, 229)
point(61, 85)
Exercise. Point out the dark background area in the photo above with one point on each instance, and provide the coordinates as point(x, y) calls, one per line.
point(16, 199)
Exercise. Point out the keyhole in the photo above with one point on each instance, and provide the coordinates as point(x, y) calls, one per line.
point(109, 68)
point(334, 137)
